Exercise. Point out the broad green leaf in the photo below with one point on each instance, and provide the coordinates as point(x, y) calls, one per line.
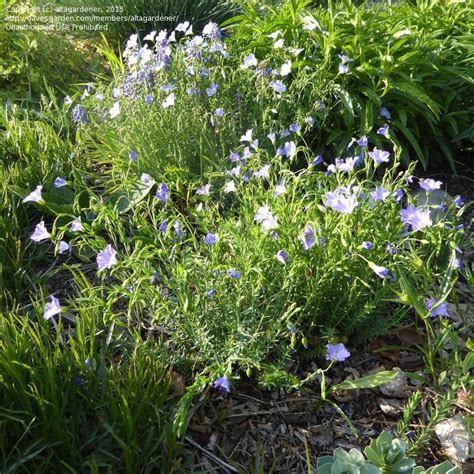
point(345, 97)
point(124, 200)
point(413, 142)
point(468, 363)
point(419, 94)
point(369, 381)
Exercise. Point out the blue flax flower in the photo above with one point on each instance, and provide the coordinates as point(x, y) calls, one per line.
point(441, 310)
point(163, 193)
point(222, 384)
point(337, 352)
point(211, 239)
point(282, 257)
point(106, 258)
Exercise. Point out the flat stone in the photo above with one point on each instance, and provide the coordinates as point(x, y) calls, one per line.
point(454, 438)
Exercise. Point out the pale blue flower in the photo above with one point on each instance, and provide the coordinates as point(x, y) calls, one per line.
point(76, 225)
point(282, 257)
point(380, 194)
point(398, 195)
point(295, 128)
point(308, 238)
point(343, 68)
point(285, 68)
point(317, 160)
point(280, 189)
point(35, 196)
point(263, 172)
point(310, 121)
point(178, 230)
point(367, 245)
point(211, 239)
point(458, 201)
point(211, 91)
point(133, 155)
point(249, 61)
point(348, 164)
point(265, 218)
point(344, 58)
point(169, 101)
point(79, 115)
point(106, 258)
point(379, 156)
point(288, 149)
point(59, 182)
point(115, 110)
point(233, 273)
point(417, 218)
point(210, 293)
point(430, 184)
point(204, 190)
point(278, 86)
point(441, 310)
point(163, 226)
point(168, 87)
point(222, 384)
point(391, 249)
point(341, 203)
point(40, 233)
point(163, 193)
point(145, 178)
point(219, 112)
point(363, 141)
point(381, 272)
point(212, 31)
point(337, 352)
point(63, 246)
point(52, 308)
point(229, 187)
point(247, 136)
point(383, 130)
point(384, 112)
point(272, 137)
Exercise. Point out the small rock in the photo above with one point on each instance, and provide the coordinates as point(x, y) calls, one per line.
point(397, 387)
point(454, 438)
point(391, 406)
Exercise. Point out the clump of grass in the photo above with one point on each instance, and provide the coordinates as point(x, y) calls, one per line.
point(77, 399)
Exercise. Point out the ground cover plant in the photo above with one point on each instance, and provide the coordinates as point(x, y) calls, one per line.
point(185, 227)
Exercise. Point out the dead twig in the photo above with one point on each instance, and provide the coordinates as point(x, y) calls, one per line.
point(224, 465)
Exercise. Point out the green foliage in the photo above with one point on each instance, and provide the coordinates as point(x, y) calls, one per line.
point(74, 399)
point(32, 60)
point(345, 462)
point(415, 59)
point(91, 388)
point(385, 455)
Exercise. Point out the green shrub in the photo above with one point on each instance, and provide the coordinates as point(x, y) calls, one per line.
point(414, 59)
point(332, 291)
